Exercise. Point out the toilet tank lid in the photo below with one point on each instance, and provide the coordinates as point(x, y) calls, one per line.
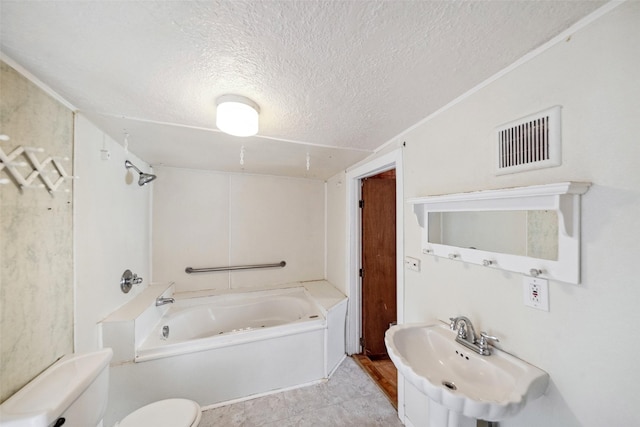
point(52, 392)
point(164, 413)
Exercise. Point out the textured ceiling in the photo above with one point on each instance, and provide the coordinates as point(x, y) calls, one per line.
point(334, 79)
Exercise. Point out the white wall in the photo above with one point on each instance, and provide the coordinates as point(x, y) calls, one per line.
point(210, 219)
point(588, 341)
point(111, 229)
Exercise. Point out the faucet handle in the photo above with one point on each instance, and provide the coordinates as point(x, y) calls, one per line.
point(484, 339)
point(452, 325)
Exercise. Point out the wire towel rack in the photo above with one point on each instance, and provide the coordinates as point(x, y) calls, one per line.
point(190, 270)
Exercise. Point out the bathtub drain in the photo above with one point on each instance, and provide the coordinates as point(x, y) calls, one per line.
point(165, 332)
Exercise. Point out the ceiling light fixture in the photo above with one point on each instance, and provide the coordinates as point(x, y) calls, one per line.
point(237, 115)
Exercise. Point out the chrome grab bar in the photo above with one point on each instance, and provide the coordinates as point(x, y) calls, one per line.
point(190, 270)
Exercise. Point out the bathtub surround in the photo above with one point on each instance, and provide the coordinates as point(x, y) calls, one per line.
point(36, 273)
point(214, 219)
point(582, 342)
point(112, 231)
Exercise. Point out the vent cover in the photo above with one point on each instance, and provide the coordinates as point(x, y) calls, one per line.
point(533, 142)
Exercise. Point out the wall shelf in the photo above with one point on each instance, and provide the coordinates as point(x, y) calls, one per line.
point(564, 198)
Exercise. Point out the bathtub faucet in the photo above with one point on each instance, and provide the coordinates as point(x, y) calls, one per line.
point(162, 301)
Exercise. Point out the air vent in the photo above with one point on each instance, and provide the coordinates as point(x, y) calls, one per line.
point(533, 142)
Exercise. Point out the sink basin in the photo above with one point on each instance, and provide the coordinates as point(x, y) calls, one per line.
point(40, 402)
point(490, 388)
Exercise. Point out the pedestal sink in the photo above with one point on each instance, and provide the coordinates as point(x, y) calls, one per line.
point(462, 383)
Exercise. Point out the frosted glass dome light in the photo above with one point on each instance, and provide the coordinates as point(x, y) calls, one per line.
point(237, 115)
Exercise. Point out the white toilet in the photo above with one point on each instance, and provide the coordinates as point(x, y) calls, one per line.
point(73, 393)
point(165, 413)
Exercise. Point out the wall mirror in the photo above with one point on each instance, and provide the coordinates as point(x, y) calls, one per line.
point(525, 233)
point(531, 230)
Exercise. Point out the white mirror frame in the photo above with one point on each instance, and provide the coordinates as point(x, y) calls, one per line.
point(564, 198)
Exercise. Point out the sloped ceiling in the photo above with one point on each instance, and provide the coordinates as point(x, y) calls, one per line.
point(334, 79)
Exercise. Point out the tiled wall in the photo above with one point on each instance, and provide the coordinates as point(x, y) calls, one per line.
point(36, 273)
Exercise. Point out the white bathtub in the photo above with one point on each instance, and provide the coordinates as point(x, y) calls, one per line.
point(222, 348)
point(197, 324)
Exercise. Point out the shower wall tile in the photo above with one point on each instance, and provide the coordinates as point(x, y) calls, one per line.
point(36, 273)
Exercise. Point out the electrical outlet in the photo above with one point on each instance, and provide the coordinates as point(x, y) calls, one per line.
point(536, 293)
point(412, 263)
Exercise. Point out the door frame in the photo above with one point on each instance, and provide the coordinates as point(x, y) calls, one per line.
point(354, 241)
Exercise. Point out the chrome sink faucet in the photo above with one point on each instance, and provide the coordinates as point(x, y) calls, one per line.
point(467, 336)
point(465, 329)
point(162, 301)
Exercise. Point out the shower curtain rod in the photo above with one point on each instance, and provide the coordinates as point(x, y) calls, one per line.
point(190, 270)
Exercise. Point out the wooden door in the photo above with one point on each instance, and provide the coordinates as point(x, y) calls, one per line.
point(378, 209)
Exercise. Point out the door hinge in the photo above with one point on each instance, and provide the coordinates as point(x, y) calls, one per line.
point(361, 272)
point(361, 204)
point(361, 342)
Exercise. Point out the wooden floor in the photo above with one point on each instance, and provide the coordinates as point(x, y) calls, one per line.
point(384, 373)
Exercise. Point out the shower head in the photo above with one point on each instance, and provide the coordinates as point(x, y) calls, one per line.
point(144, 177)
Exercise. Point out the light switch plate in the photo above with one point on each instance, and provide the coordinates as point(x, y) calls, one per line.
point(536, 293)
